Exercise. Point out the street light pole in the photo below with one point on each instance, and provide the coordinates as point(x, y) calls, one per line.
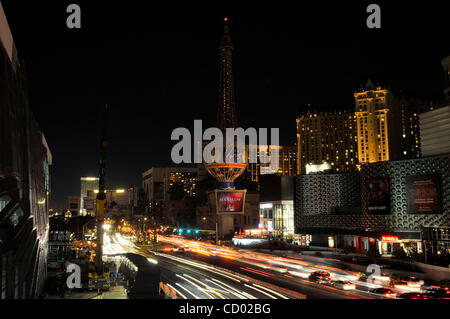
point(217, 229)
point(155, 238)
point(424, 244)
point(144, 230)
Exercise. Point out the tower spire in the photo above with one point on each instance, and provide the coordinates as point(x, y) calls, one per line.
point(226, 115)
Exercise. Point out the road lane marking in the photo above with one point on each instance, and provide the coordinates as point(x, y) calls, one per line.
point(190, 292)
point(261, 291)
point(176, 290)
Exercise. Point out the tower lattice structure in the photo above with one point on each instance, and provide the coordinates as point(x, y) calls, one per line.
point(226, 115)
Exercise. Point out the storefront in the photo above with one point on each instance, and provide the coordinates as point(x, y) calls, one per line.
point(359, 244)
point(251, 237)
point(409, 242)
point(266, 217)
point(278, 218)
point(302, 239)
point(438, 240)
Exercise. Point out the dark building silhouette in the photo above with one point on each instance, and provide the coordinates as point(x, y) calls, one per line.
point(24, 181)
point(446, 68)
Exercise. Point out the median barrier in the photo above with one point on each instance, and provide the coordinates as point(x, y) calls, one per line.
point(435, 273)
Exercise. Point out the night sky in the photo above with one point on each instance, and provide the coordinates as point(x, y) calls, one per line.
point(156, 67)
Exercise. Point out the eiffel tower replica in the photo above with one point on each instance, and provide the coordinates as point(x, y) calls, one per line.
point(226, 201)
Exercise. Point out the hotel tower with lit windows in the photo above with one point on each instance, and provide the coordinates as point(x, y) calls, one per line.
point(327, 137)
point(373, 118)
point(381, 128)
point(286, 161)
point(87, 184)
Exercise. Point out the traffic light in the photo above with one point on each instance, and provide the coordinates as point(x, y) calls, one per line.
point(188, 231)
point(180, 230)
point(196, 231)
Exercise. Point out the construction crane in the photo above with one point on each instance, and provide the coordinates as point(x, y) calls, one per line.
point(98, 272)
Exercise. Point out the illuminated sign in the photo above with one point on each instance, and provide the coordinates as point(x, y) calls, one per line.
point(424, 194)
point(247, 241)
point(331, 242)
point(230, 201)
point(317, 168)
point(390, 238)
point(267, 205)
point(379, 200)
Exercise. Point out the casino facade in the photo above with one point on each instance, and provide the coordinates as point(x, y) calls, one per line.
point(386, 205)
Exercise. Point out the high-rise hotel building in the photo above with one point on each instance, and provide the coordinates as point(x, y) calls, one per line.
point(87, 184)
point(285, 163)
point(327, 137)
point(409, 146)
point(387, 127)
point(374, 111)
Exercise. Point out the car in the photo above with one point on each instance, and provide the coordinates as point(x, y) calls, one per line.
point(344, 285)
point(382, 279)
point(397, 282)
point(439, 293)
point(321, 277)
point(412, 281)
point(384, 292)
point(181, 250)
point(362, 278)
point(414, 295)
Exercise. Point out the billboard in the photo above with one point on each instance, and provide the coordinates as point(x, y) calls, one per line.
point(230, 202)
point(423, 193)
point(379, 201)
point(227, 201)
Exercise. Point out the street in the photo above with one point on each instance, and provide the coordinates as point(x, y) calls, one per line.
point(210, 271)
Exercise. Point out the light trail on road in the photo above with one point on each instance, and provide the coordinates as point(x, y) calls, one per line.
point(193, 279)
point(274, 275)
point(271, 266)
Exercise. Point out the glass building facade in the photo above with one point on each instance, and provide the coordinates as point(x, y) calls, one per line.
point(24, 182)
point(278, 218)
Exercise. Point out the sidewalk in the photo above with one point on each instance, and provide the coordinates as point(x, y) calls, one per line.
point(116, 292)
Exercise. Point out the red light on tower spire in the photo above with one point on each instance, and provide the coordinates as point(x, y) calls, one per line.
point(225, 19)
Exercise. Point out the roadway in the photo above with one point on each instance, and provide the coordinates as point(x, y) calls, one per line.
point(210, 271)
point(191, 279)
